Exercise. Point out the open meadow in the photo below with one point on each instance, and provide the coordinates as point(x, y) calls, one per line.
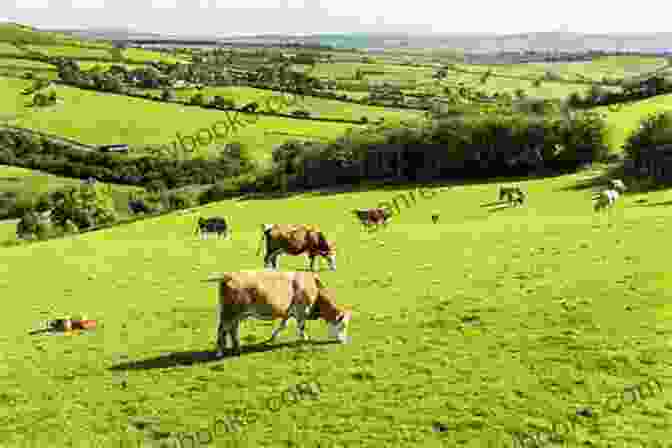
point(493, 321)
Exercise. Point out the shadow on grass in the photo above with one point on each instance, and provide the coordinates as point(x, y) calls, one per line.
point(178, 359)
point(500, 208)
point(490, 204)
point(655, 204)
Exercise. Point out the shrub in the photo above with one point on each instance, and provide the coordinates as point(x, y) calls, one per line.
point(654, 130)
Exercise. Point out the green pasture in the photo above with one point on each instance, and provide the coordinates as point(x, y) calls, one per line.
point(15, 68)
point(9, 49)
point(626, 120)
point(135, 121)
point(11, 32)
point(547, 89)
point(495, 320)
point(141, 55)
point(610, 66)
point(68, 51)
point(319, 107)
point(27, 183)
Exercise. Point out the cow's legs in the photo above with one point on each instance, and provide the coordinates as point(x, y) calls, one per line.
point(222, 329)
point(276, 331)
point(301, 316)
point(271, 259)
point(235, 336)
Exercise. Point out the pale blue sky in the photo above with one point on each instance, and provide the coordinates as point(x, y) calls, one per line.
point(231, 17)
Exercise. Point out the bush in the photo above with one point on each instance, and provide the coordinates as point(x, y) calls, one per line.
point(654, 130)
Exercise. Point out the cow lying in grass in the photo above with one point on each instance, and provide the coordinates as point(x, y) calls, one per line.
point(295, 240)
point(514, 195)
point(606, 199)
point(270, 295)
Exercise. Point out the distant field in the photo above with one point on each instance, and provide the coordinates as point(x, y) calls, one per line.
point(625, 121)
point(7, 48)
point(547, 89)
point(142, 55)
point(610, 66)
point(18, 67)
point(119, 119)
point(71, 52)
point(88, 65)
point(321, 107)
point(10, 32)
point(32, 183)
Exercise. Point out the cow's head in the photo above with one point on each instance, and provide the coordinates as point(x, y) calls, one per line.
point(327, 250)
point(337, 318)
point(200, 224)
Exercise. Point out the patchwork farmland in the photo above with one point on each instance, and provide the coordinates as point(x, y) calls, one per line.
point(493, 326)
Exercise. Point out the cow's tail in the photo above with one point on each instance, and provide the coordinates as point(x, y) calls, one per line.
point(224, 278)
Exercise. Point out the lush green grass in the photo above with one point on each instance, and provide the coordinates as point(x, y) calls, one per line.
point(10, 32)
point(486, 322)
point(142, 55)
point(18, 67)
point(320, 107)
point(7, 48)
point(71, 51)
point(32, 183)
point(627, 120)
point(611, 66)
point(120, 119)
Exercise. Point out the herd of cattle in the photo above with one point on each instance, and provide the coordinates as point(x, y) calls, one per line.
point(271, 295)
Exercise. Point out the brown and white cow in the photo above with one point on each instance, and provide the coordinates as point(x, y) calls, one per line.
point(373, 216)
point(270, 295)
point(295, 240)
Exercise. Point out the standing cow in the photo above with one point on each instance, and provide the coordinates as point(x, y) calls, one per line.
point(295, 240)
point(212, 225)
point(274, 295)
point(373, 216)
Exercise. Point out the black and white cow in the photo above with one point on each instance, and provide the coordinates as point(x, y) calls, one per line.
point(212, 225)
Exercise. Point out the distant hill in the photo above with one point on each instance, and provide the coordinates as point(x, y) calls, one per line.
point(468, 42)
point(12, 32)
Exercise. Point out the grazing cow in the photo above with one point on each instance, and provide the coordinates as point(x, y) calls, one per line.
point(137, 206)
point(274, 295)
point(373, 216)
point(512, 194)
point(295, 240)
point(212, 225)
point(607, 198)
point(618, 185)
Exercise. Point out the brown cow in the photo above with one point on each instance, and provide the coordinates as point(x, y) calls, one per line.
point(295, 240)
point(373, 216)
point(271, 295)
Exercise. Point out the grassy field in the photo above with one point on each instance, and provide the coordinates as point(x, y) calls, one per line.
point(120, 119)
point(142, 55)
point(71, 52)
point(16, 68)
point(611, 66)
point(625, 121)
point(523, 316)
point(31, 183)
point(319, 107)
